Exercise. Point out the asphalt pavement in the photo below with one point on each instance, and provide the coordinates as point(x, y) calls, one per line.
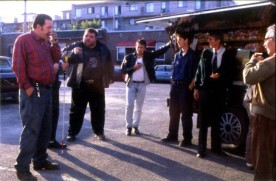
point(120, 157)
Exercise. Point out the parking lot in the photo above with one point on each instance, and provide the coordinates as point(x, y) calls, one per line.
point(120, 157)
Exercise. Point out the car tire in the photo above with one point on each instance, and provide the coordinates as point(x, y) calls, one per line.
point(234, 128)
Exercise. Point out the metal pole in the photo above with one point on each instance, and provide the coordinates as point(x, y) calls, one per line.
point(25, 17)
point(63, 111)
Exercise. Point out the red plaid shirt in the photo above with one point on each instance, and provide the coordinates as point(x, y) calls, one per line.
point(33, 59)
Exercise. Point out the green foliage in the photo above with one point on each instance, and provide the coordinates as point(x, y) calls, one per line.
point(90, 24)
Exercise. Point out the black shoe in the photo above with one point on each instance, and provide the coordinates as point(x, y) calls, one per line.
point(128, 132)
point(200, 155)
point(47, 165)
point(169, 139)
point(56, 145)
point(27, 175)
point(219, 153)
point(71, 138)
point(249, 166)
point(136, 131)
point(100, 136)
point(185, 143)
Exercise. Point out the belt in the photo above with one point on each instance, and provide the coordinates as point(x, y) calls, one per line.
point(138, 81)
point(46, 86)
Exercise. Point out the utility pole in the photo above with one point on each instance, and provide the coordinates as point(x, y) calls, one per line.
point(25, 16)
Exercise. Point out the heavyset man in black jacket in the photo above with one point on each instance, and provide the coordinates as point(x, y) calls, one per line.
point(139, 70)
point(90, 71)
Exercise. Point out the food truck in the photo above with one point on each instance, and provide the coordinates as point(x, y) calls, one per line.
point(243, 28)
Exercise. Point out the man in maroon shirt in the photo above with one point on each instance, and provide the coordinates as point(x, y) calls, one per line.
point(35, 63)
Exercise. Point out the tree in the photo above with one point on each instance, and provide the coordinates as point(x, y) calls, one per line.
point(90, 24)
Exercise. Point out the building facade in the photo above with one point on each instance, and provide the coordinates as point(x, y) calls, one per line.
point(119, 29)
point(120, 15)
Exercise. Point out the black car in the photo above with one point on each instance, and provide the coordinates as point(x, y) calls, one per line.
point(8, 84)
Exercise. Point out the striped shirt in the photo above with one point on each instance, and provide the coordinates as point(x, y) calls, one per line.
point(33, 60)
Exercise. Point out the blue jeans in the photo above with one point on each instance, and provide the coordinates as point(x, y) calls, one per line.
point(135, 96)
point(36, 116)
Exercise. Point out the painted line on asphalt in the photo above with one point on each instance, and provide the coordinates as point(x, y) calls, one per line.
point(7, 169)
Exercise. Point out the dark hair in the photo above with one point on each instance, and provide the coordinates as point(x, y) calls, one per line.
point(142, 42)
point(91, 30)
point(40, 20)
point(185, 36)
point(217, 36)
point(183, 31)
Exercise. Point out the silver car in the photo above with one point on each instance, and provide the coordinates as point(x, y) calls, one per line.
point(163, 73)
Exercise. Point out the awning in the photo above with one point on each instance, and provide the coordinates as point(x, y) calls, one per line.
point(169, 17)
point(132, 44)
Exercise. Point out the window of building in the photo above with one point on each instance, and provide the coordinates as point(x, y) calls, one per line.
point(91, 10)
point(163, 7)
point(181, 4)
point(117, 10)
point(131, 21)
point(116, 23)
point(67, 15)
point(120, 54)
point(133, 7)
point(103, 23)
point(78, 13)
point(104, 11)
point(149, 7)
point(198, 4)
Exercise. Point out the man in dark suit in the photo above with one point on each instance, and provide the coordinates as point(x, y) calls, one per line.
point(213, 78)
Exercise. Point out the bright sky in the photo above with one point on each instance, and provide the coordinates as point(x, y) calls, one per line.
point(15, 9)
point(9, 10)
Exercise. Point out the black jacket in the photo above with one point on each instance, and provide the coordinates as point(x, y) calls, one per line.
point(75, 60)
point(148, 60)
point(204, 70)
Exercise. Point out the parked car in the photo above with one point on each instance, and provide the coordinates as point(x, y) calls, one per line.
point(163, 73)
point(8, 84)
point(117, 74)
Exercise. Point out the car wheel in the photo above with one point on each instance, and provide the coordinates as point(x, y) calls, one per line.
point(234, 127)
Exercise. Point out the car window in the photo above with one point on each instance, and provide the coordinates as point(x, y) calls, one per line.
point(168, 69)
point(160, 68)
point(4, 63)
point(5, 66)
